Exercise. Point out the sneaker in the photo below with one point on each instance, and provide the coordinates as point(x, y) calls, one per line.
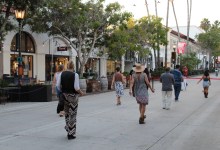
point(71, 137)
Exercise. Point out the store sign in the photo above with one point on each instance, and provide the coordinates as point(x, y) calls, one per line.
point(62, 48)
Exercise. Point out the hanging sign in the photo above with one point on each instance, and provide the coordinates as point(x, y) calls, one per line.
point(181, 47)
point(62, 48)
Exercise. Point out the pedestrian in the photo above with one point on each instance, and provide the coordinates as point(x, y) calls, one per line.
point(117, 82)
point(60, 105)
point(130, 75)
point(139, 80)
point(206, 83)
point(216, 72)
point(167, 81)
point(148, 74)
point(178, 78)
point(69, 85)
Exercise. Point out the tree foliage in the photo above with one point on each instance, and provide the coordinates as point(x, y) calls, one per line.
point(7, 8)
point(127, 38)
point(84, 25)
point(153, 29)
point(190, 61)
point(210, 40)
point(138, 36)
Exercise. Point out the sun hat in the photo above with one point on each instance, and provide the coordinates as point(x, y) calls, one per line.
point(139, 68)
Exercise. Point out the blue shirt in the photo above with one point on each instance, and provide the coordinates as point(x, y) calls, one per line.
point(177, 76)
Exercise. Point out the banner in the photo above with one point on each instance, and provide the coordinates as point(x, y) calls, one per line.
point(181, 47)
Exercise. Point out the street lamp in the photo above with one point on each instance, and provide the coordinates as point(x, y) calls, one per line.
point(19, 14)
point(174, 56)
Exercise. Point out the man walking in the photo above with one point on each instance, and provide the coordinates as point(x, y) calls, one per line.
point(167, 81)
point(178, 78)
point(69, 85)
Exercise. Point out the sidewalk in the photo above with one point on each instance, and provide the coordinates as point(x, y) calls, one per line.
point(191, 124)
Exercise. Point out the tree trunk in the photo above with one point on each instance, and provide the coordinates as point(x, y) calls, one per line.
point(155, 1)
point(148, 14)
point(189, 8)
point(158, 58)
point(174, 12)
point(155, 58)
point(167, 33)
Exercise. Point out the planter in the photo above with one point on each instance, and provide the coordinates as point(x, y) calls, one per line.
point(109, 82)
point(83, 85)
point(104, 84)
point(3, 99)
point(32, 93)
point(93, 86)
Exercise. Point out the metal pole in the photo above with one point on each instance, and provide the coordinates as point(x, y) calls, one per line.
point(20, 70)
point(52, 64)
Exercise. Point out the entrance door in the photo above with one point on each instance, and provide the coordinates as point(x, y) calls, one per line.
point(52, 63)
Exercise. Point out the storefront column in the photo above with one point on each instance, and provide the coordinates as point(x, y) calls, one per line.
point(103, 68)
point(122, 63)
point(6, 62)
point(40, 67)
point(1, 64)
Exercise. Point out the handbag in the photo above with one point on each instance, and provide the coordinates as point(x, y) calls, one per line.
point(60, 106)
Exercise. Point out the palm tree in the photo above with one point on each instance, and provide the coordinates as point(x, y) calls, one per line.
point(205, 24)
point(148, 14)
point(174, 12)
point(167, 18)
point(155, 1)
point(189, 9)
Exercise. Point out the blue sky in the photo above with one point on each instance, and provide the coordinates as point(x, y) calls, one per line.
point(200, 9)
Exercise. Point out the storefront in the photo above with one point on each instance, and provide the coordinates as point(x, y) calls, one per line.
point(27, 47)
point(92, 67)
point(40, 55)
point(111, 66)
point(51, 68)
point(27, 65)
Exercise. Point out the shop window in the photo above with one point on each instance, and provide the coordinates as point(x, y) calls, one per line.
point(52, 67)
point(27, 64)
point(27, 44)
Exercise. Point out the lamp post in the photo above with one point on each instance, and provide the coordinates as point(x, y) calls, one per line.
point(174, 56)
point(19, 14)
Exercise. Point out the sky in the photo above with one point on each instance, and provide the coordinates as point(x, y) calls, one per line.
point(200, 9)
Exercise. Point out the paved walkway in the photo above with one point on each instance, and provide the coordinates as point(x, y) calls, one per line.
point(191, 124)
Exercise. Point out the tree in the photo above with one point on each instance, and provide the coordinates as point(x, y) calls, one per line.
point(7, 8)
point(189, 10)
point(190, 61)
point(205, 24)
point(156, 34)
point(146, 4)
point(210, 39)
point(177, 26)
point(128, 38)
point(83, 25)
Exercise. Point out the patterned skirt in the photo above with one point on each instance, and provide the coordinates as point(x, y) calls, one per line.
point(119, 89)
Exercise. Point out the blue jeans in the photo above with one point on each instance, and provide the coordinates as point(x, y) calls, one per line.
point(177, 89)
point(57, 92)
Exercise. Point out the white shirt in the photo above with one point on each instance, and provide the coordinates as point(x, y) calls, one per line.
point(57, 77)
